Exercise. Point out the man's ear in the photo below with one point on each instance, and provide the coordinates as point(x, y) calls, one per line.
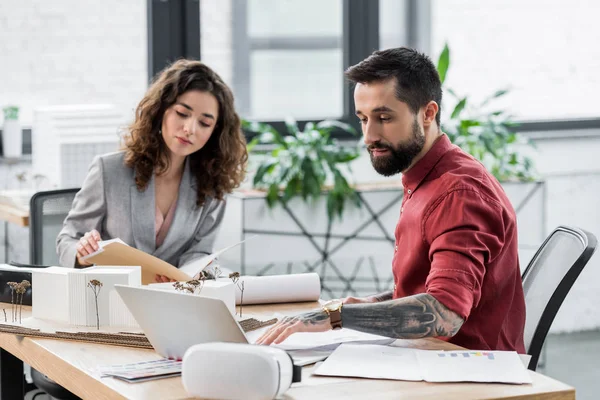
point(431, 110)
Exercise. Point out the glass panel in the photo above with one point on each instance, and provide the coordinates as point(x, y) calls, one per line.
point(393, 29)
point(544, 51)
point(301, 84)
point(287, 62)
point(267, 18)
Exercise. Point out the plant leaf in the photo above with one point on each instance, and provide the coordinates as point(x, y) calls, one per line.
point(458, 108)
point(443, 63)
point(262, 170)
point(328, 124)
point(250, 146)
point(272, 195)
point(292, 125)
point(498, 93)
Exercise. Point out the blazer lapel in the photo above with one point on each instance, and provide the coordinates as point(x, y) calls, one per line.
point(142, 217)
point(185, 221)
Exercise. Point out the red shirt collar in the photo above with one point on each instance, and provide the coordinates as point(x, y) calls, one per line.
point(415, 175)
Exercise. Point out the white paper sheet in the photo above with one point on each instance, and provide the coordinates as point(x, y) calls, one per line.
point(372, 361)
point(388, 362)
point(279, 288)
point(194, 267)
point(473, 366)
point(330, 340)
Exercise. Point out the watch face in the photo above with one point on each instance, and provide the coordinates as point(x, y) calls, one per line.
point(333, 305)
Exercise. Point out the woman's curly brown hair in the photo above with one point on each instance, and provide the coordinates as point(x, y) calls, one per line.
point(220, 166)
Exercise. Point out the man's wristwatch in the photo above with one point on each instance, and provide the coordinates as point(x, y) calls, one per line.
point(333, 308)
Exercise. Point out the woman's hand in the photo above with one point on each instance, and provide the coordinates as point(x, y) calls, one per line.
point(163, 279)
point(87, 245)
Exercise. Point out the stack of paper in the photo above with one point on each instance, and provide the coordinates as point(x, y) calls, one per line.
point(387, 362)
point(142, 371)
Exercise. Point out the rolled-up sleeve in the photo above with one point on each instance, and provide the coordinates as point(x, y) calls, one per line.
point(465, 233)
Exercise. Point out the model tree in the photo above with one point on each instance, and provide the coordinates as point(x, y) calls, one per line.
point(96, 286)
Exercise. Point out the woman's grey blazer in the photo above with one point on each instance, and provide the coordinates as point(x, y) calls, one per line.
point(110, 202)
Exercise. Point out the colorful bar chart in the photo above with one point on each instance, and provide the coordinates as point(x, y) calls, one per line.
point(468, 354)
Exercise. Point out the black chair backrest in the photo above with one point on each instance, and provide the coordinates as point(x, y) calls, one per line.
point(47, 213)
point(547, 280)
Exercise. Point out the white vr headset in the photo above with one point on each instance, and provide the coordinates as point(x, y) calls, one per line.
point(237, 371)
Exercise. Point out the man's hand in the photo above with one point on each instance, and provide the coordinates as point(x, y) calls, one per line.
point(314, 321)
point(87, 245)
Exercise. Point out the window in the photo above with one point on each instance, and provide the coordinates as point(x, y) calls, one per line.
point(544, 51)
point(281, 57)
point(393, 23)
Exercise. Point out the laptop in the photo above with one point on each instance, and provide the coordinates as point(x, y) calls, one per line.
point(173, 322)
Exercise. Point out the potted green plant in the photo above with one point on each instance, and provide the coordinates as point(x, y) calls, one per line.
point(486, 133)
point(304, 163)
point(12, 138)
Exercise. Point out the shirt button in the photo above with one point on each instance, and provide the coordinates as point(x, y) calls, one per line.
point(409, 191)
point(401, 210)
point(394, 287)
point(395, 248)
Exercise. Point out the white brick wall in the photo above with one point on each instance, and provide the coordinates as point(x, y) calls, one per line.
point(545, 50)
point(72, 52)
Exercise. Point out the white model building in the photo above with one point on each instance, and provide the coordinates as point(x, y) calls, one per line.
point(221, 290)
point(62, 295)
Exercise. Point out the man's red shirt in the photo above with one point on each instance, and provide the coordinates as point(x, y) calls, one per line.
point(456, 240)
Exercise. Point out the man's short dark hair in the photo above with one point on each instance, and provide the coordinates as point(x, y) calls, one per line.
point(417, 79)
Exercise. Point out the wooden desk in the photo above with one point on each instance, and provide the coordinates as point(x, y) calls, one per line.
point(14, 214)
point(72, 364)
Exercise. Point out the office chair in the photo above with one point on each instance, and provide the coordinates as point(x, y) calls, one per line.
point(547, 280)
point(47, 211)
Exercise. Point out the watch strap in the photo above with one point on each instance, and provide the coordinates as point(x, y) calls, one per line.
point(335, 317)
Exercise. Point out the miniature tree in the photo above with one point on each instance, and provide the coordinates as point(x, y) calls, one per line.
point(96, 286)
point(21, 289)
point(217, 271)
point(235, 278)
point(194, 286)
point(13, 286)
point(210, 273)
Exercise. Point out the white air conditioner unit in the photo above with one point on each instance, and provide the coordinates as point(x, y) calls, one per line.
point(65, 140)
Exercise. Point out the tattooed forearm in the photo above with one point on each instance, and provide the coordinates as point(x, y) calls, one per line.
point(411, 317)
point(317, 317)
point(385, 296)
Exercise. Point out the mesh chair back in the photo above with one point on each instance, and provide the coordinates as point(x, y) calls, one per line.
point(548, 278)
point(47, 214)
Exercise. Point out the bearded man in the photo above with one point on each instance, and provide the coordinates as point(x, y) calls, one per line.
point(455, 266)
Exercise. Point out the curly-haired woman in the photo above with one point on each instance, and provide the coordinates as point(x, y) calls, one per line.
point(164, 193)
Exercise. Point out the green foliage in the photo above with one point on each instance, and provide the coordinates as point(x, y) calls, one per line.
point(300, 163)
point(11, 112)
point(486, 133)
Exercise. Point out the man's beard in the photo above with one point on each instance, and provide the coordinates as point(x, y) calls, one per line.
point(401, 156)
